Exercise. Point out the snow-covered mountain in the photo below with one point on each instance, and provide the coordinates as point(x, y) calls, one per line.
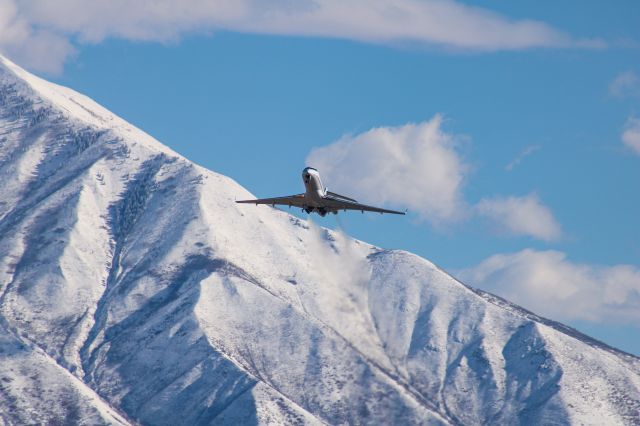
point(134, 290)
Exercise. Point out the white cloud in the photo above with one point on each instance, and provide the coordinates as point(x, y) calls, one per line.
point(521, 216)
point(631, 134)
point(547, 283)
point(428, 22)
point(38, 47)
point(527, 151)
point(626, 84)
point(420, 167)
point(416, 166)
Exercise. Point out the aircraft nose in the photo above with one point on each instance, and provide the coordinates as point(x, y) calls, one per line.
point(306, 173)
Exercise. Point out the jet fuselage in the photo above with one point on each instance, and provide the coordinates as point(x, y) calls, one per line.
point(314, 189)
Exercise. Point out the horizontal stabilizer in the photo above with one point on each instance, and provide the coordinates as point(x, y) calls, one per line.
point(334, 195)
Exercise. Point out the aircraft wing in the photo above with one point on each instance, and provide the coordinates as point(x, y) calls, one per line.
point(289, 200)
point(340, 202)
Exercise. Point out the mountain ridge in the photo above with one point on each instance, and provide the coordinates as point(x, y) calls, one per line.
point(133, 269)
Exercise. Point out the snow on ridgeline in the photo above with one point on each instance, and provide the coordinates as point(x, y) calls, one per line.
point(135, 289)
point(75, 106)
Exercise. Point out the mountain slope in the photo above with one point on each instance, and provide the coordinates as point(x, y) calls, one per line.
point(145, 294)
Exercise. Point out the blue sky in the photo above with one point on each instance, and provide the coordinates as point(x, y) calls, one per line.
point(534, 128)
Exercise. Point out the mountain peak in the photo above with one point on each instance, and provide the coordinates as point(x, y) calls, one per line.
point(133, 285)
point(76, 107)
